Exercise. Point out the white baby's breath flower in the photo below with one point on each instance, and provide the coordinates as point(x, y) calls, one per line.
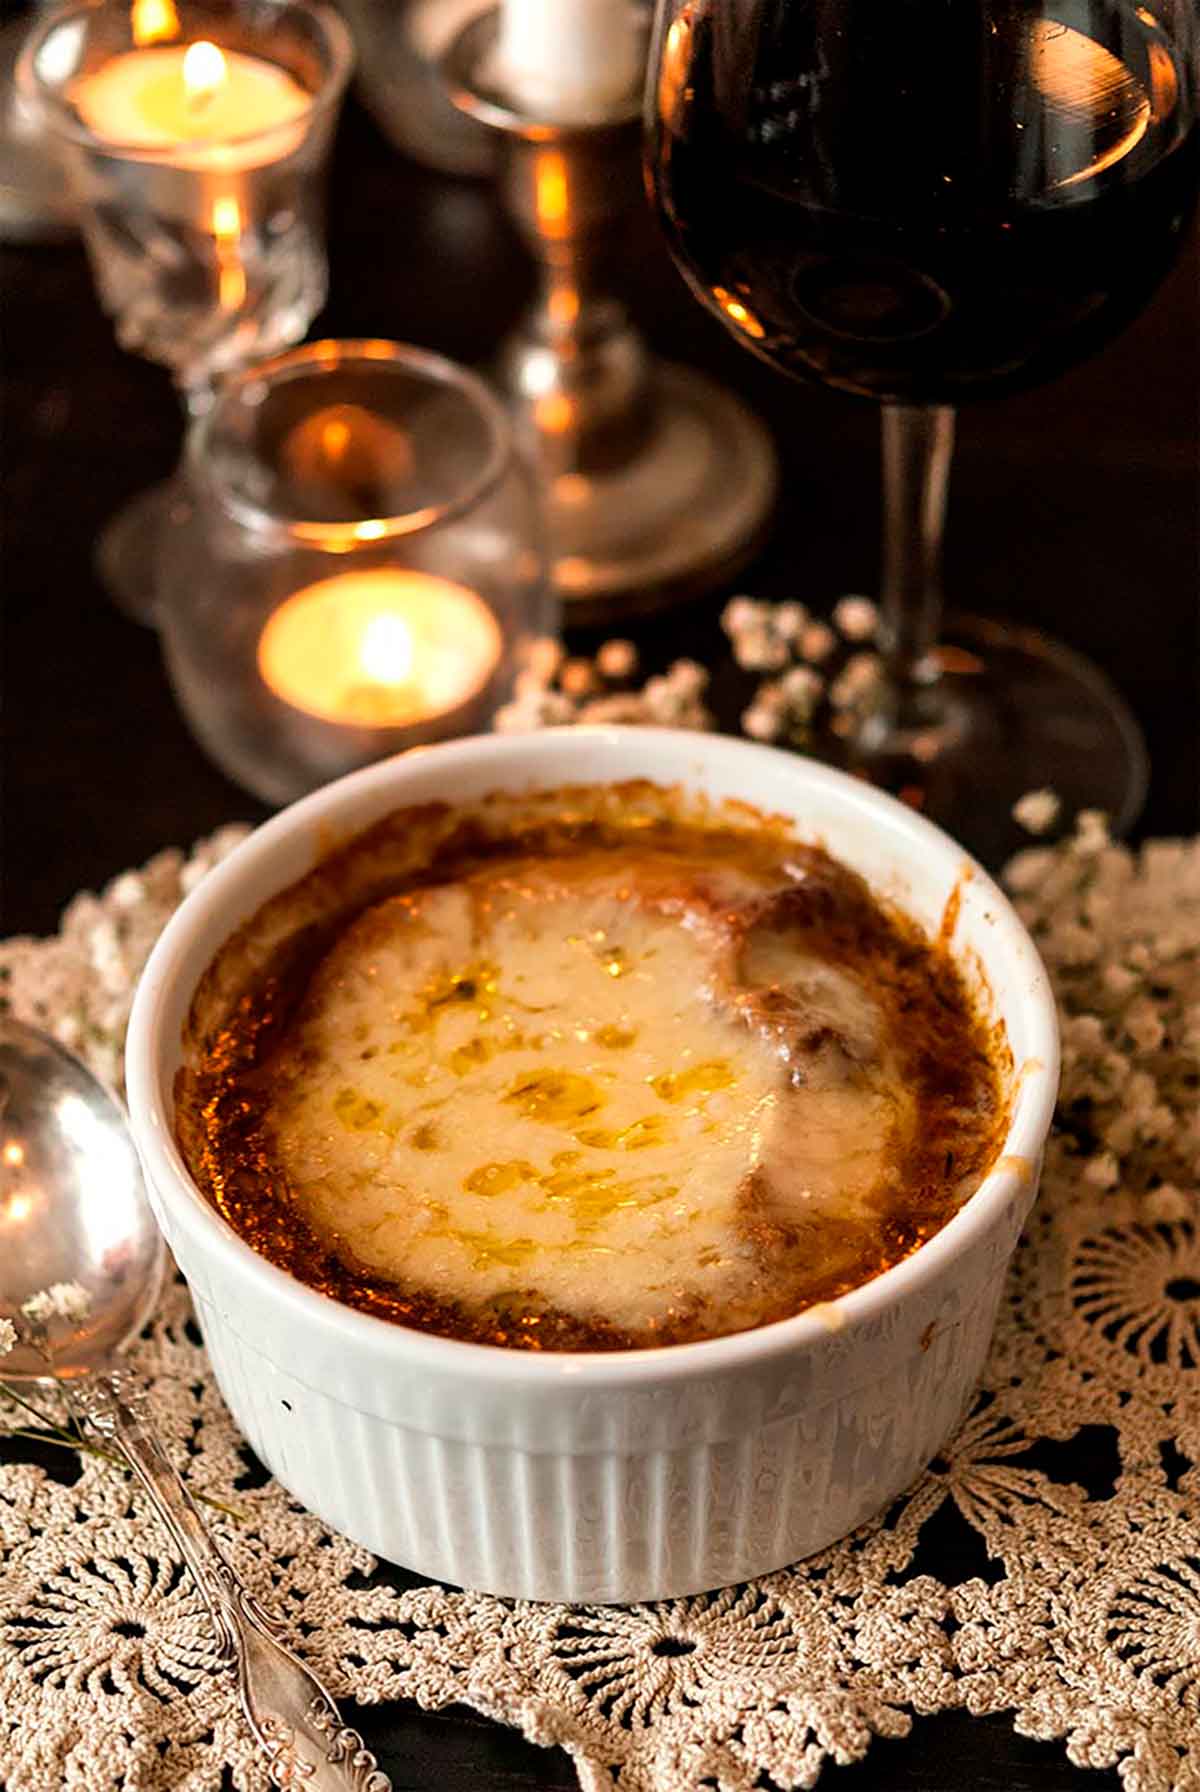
point(1091, 832)
point(741, 615)
point(789, 621)
point(802, 688)
point(62, 1300)
point(8, 1336)
point(614, 706)
point(759, 650)
point(662, 701)
point(617, 659)
point(127, 890)
point(817, 643)
point(577, 678)
point(1028, 871)
point(857, 681)
point(687, 678)
point(1037, 811)
point(534, 710)
point(857, 618)
point(762, 722)
point(545, 655)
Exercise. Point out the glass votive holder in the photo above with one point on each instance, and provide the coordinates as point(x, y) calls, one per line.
point(195, 136)
point(356, 567)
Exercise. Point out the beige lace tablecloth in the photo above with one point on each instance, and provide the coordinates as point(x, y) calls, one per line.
point(996, 1583)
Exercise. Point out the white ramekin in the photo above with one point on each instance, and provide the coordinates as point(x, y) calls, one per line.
point(604, 1477)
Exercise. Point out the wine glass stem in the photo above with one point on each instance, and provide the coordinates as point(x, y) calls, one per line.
point(198, 396)
point(918, 441)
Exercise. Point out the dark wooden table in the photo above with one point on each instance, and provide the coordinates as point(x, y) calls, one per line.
point(1073, 508)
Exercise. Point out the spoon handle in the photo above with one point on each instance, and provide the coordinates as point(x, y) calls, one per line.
point(292, 1716)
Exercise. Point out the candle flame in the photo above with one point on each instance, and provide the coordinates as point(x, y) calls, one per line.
point(14, 1154)
point(335, 438)
point(386, 650)
point(204, 71)
point(226, 219)
point(231, 287)
point(381, 648)
point(19, 1208)
point(551, 193)
point(153, 21)
point(227, 230)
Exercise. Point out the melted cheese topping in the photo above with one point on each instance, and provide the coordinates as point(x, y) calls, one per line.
point(534, 1084)
point(572, 1071)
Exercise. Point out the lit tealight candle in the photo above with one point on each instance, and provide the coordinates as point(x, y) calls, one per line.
point(196, 105)
point(384, 648)
point(568, 60)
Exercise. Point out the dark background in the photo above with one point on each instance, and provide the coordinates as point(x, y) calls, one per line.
point(1073, 508)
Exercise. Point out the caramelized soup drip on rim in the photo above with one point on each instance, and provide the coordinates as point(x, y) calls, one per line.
point(593, 1070)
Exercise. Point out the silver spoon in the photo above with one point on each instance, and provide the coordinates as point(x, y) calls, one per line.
point(75, 1210)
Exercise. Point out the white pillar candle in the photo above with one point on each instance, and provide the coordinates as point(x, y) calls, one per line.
point(568, 60)
point(194, 106)
point(383, 648)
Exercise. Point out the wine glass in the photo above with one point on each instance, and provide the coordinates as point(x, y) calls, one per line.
point(196, 135)
point(922, 202)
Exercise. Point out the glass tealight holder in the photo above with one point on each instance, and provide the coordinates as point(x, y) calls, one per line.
point(355, 568)
point(195, 136)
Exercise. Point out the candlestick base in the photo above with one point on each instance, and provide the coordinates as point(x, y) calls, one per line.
point(656, 485)
point(677, 512)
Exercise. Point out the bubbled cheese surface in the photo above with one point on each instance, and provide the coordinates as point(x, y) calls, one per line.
point(542, 1086)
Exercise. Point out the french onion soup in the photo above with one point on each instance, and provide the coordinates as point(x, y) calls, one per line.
point(589, 1069)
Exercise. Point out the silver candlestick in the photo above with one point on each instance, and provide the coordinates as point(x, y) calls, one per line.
point(657, 484)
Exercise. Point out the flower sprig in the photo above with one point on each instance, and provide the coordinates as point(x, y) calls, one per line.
point(71, 1302)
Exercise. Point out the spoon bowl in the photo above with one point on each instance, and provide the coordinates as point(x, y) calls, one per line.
point(73, 1208)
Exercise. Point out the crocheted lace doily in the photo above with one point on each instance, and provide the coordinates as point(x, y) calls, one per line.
point(1047, 1565)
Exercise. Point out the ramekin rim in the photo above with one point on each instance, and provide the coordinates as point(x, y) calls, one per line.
point(1015, 1166)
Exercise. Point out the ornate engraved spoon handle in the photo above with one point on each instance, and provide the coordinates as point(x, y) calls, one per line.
point(293, 1717)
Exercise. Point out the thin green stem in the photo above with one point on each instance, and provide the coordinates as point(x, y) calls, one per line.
point(65, 1440)
point(10, 1393)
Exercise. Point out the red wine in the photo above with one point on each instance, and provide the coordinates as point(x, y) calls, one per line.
point(922, 200)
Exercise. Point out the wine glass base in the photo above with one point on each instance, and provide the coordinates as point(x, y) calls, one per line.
point(126, 554)
point(1018, 712)
point(676, 515)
